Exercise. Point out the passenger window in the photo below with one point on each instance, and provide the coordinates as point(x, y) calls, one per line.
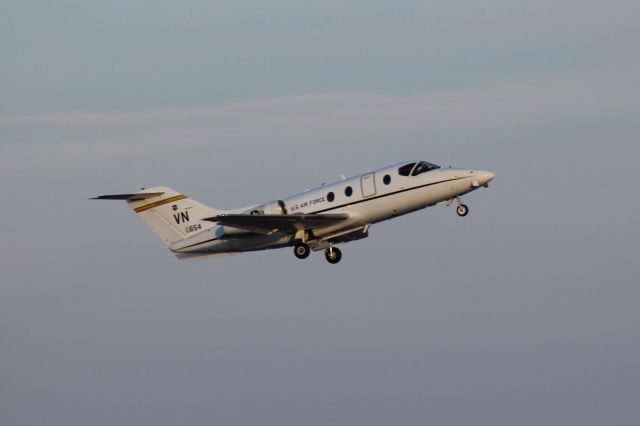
point(330, 197)
point(406, 169)
point(348, 191)
point(386, 179)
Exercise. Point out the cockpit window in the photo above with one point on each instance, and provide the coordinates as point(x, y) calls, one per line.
point(406, 169)
point(423, 167)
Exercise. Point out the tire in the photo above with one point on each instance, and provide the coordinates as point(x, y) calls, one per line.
point(337, 255)
point(301, 250)
point(462, 210)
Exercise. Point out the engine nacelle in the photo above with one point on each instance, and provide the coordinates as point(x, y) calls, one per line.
point(272, 207)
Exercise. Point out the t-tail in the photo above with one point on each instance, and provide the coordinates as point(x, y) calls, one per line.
point(172, 216)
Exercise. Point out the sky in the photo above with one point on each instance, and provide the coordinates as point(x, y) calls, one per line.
point(525, 312)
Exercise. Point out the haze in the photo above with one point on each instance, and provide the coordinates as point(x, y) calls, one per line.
point(523, 313)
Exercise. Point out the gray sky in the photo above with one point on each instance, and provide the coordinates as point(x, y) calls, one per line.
point(523, 313)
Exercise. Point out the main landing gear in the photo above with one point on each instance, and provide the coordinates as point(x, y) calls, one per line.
point(301, 250)
point(332, 254)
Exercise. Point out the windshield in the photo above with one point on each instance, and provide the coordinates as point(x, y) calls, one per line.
point(406, 169)
point(424, 167)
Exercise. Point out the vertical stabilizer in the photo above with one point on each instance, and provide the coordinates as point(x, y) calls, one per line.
point(172, 216)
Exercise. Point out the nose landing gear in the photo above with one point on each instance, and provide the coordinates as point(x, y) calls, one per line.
point(462, 209)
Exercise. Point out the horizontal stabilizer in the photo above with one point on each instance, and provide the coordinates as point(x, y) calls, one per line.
point(268, 223)
point(129, 197)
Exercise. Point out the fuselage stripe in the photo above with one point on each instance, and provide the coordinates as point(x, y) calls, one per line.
point(386, 195)
point(160, 203)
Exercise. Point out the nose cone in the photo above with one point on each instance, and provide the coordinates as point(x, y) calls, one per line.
point(485, 177)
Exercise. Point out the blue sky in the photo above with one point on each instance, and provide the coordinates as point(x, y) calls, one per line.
point(525, 312)
point(71, 56)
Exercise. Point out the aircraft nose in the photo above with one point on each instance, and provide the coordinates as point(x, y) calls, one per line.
point(485, 177)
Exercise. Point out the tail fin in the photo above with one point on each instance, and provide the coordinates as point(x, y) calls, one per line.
point(170, 215)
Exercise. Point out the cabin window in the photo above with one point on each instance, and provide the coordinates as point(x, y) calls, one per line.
point(330, 197)
point(386, 179)
point(406, 169)
point(348, 191)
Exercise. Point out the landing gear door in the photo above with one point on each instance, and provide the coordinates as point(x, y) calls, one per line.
point(368, 184)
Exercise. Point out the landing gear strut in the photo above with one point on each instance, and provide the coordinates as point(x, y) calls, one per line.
point(301, 250)
point(333, 255)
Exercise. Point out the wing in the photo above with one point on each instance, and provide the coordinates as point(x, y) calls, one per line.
point(268, 224)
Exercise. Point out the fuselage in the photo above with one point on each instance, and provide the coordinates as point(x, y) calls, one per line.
point(368, 198)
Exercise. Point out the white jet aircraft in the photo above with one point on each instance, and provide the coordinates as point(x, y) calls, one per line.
point(316, 219)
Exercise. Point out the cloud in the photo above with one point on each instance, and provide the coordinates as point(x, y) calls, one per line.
point(222, 112)
point(312, 118)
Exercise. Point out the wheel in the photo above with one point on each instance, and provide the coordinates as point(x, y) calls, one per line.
point(462, 210)
point(301, 250)
point(333, 255)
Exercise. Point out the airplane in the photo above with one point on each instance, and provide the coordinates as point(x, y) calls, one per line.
point(316, 219)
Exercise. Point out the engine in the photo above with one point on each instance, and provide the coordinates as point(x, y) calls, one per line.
point(272, 207)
